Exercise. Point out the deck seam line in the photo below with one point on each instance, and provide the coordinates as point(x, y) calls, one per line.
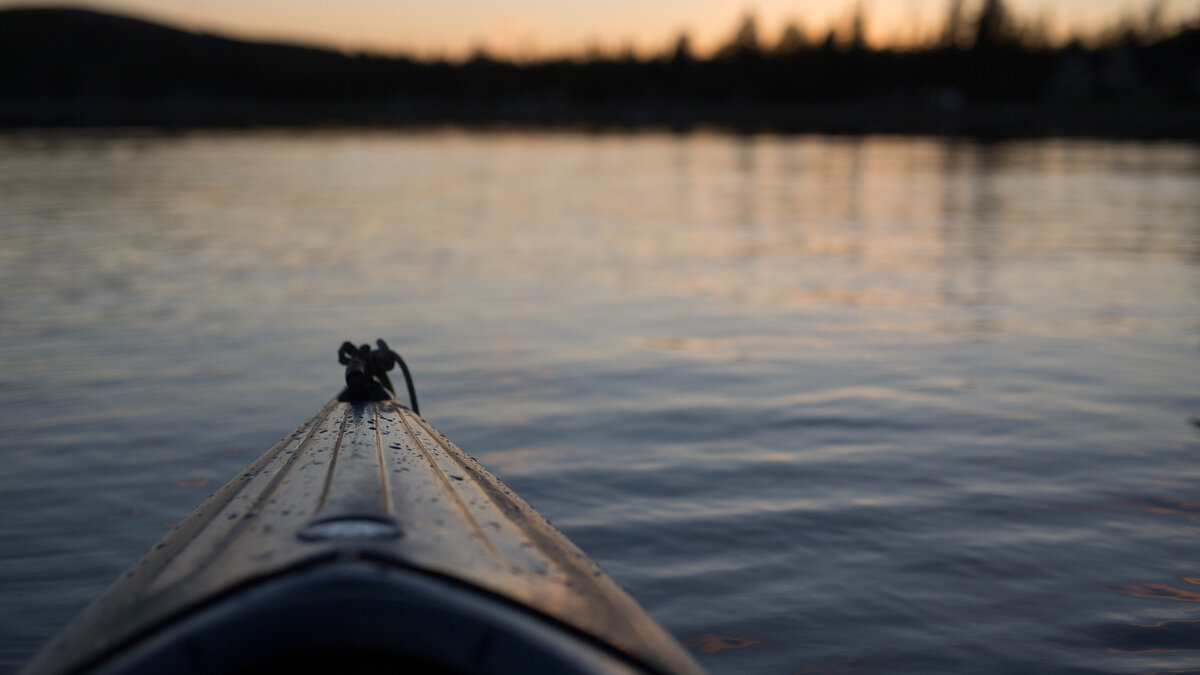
point(333, 457)
point(448, 487)
point(272, 485)
point(384, 493)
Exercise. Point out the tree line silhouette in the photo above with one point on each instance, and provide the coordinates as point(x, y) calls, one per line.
point(985, 70)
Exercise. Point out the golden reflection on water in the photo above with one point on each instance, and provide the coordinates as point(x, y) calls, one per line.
point(1157, 651)
point(782, 222)
point(1166, 623)
point(711, 643)
point(1167, 506)
point(1162, 591)
point(1174, 636)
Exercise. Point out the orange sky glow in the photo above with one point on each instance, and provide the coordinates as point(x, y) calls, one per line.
point(536, 28)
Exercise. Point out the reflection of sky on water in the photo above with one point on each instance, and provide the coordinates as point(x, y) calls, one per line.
point(790, 222)
point(789, 390)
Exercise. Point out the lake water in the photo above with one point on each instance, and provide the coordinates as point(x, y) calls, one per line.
point(821, 404)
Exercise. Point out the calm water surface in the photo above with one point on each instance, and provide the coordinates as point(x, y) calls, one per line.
point(823, 405)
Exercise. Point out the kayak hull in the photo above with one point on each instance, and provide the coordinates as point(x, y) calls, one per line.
point(365, 541)
point(368, 618)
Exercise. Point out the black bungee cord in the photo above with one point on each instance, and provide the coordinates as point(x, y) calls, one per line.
point(366, 373)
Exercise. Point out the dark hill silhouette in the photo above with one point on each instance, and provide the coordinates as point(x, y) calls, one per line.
point(79, 67)
point(70, 53)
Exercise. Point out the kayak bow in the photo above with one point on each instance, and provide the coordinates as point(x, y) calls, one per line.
point(364, 541)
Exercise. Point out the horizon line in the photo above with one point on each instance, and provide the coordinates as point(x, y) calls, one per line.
point(839, 28)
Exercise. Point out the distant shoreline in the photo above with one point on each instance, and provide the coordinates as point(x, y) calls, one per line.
point(1001, 120)
point(78, 68)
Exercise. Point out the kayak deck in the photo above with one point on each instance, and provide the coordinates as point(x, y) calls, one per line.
point(370, 494)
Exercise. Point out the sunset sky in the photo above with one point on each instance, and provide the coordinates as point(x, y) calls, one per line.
point(540, 27)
